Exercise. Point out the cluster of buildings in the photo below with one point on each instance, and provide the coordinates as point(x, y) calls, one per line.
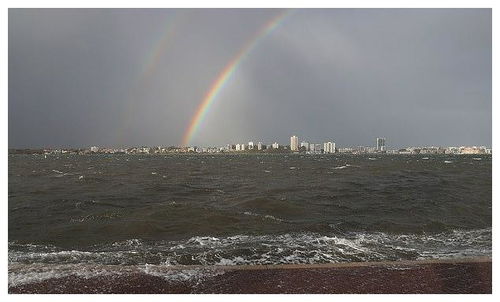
point(304, 146)
point(307, 147)
point(443, 150)
point(311, 148)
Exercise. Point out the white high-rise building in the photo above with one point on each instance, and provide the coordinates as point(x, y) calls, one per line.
point(276, 145)
point(259, 146)
point(250, 145)
point(294, 143)
point(242, 147)
point(238, 147)
point(380, 144)
point(329, 147)
point(305, 145)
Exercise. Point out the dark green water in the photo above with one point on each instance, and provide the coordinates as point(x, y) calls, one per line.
point(246, 209)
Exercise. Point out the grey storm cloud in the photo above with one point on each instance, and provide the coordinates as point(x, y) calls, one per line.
point(121, 77)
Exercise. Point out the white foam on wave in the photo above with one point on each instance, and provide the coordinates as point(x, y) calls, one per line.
point(234, 261)
point(56, 257)
point(196, 275)
point(339, 167)
point(22, 274)
point(128, 243)
point(292, 248)
point(307, 247)
point(204, 240)
point(270, 217)
point(34, 273)
point(345, 166)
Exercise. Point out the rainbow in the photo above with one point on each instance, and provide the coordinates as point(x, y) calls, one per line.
point(148, 66)
point(154, 56)
point(223, 77)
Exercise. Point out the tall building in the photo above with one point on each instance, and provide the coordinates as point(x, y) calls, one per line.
point(329, 147)
point(238, 147)
point(259, 146)
point(305, 145)
point(380, 144)
point(276, 145)
point(250, 145)
point(294, 143)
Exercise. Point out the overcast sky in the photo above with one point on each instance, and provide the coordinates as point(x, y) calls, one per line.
point(123, 77)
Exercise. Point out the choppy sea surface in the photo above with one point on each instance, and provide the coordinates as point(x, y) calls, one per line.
point(81, 214)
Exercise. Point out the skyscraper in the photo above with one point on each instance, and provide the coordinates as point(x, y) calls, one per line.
point(380, 144)
point(294, 143)
point(259, 146)
point(329, 147)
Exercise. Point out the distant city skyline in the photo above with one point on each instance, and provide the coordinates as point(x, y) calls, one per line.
point(200, 77)
point(305, 145)
point(275, 148)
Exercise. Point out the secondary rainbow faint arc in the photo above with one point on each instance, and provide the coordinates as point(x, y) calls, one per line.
point(226, 74)
point(149, 63)
point(154, 56)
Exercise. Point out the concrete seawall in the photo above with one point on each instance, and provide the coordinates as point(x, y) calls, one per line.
point(469, 275)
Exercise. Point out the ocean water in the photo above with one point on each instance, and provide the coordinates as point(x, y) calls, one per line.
point(82, 214)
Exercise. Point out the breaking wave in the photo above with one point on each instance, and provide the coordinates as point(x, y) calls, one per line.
point(22, 274)
point(30, 263)
point(267, 249)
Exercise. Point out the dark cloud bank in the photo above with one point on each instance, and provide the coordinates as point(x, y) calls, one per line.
point(415, 76)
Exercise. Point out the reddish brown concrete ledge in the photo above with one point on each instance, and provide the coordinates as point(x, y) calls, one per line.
point(471, 275)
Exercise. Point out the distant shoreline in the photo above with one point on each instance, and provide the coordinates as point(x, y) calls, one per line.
point(40, 152)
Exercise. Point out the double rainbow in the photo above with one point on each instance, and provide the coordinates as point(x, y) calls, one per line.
point(225, 75)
